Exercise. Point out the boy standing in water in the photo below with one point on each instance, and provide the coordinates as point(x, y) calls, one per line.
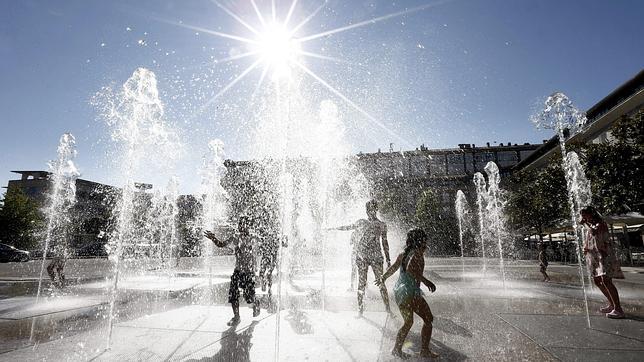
point(371, 233)
point(244, 275)
point(543, 262)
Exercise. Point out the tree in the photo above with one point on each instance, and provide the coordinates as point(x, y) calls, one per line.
point(615, 168)
point(538, 199)
point(439, 223)
point(20, 220)
point(396, 205)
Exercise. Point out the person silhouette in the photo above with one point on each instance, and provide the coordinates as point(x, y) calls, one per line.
point(371, 234)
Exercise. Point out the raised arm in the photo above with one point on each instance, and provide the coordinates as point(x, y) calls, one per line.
point(344, 227)
point(214, 239)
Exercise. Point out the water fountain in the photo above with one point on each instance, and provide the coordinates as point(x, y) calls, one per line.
point(213, 201)
point(496, 215)
point(562, 116)
point(61, 198)
point(462, 211)
point(135, 115)
point(480, 185)
point(489, 200)
point(162, 225)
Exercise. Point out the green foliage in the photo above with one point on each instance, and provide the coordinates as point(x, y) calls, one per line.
point(538, 199)
point(393, 203)
point(615, 168)
point(20, 220)
point(629, 130)
point(428, 208)
point(439, 222)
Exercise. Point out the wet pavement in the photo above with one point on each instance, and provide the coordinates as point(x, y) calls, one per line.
point(180, 313)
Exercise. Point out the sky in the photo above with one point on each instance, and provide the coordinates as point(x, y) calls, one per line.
point(448, 72)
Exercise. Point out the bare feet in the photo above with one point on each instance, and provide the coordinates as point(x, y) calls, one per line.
point(426, 353)
point(399, 353)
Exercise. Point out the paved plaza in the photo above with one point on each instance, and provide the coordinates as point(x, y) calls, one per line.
point(182, 315)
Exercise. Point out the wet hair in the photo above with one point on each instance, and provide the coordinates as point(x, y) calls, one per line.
point(592, 211)
point(372, 205)
point(415, 239)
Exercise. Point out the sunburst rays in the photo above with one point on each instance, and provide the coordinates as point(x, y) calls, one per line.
point(286, 41)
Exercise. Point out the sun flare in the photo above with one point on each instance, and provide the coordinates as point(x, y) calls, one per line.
point(276, 46)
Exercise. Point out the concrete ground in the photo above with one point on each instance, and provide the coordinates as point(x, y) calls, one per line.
point(181, 314)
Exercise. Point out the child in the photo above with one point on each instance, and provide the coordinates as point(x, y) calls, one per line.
point(407, 293)
point(55, 269)
point(372, 233)
point(543, 262)
point(602, 261)
point(244, 275)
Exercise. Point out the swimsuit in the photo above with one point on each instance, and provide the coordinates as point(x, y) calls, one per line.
point(406, 287)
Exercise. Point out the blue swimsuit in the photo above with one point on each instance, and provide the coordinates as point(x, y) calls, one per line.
point(406, 287)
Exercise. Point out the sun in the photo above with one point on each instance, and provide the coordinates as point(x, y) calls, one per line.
point(277, 48)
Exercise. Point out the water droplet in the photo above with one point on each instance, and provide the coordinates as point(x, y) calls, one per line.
point(102, 45)
point(128, 29)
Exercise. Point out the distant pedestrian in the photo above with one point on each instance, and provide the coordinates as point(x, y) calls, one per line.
point(543, 262)
point(602, 261)
point(56, 267)
point(409, 297)
point(244, 274)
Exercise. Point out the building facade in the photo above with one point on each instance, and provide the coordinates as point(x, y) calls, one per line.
point(91, 213)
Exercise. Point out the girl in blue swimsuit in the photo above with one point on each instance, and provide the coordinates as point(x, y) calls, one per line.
point(409, 297)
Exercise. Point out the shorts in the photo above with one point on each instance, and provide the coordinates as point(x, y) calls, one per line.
point(246, 282)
